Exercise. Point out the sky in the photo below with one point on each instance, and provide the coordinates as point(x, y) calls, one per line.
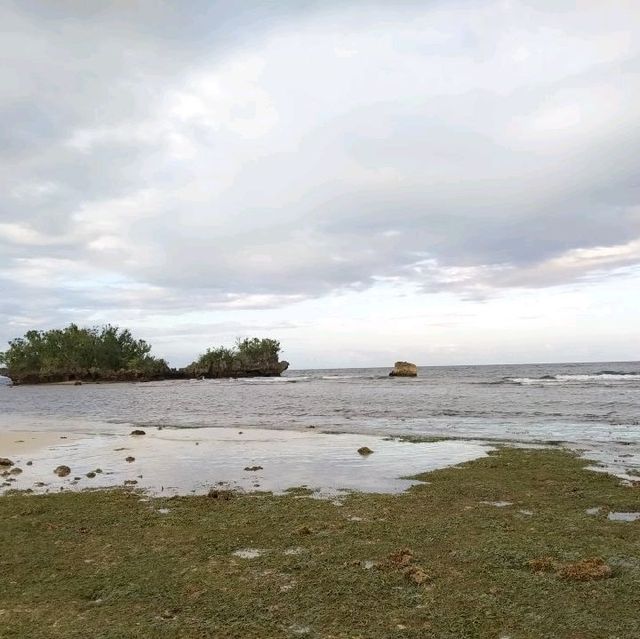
point(442, 181)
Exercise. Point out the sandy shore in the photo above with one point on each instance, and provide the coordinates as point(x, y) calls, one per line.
point(23, 443)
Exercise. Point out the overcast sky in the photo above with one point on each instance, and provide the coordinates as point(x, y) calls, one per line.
point(441, 181)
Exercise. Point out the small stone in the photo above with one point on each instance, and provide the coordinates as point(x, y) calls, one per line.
point(130, 482)
point(130, 459)
point(91, 475)
point(138, 432)
point(253, 468)
point(5, 462)
point(29, 463)
point(365, 450)
point(15, 471)
point(62, 471)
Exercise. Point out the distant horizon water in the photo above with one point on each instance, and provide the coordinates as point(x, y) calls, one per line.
point(492, 364)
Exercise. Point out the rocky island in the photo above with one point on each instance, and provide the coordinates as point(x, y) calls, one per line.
point(248, 358)
point(404, 369)
point(111, 354)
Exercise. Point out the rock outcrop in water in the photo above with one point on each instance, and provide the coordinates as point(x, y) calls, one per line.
point(404, 369)
point(110, 354)
point(248, 358)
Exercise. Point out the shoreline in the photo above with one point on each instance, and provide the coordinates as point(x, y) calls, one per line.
point(192, 460)
point(188, 461)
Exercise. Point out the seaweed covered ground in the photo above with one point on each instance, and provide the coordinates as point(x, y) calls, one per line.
point(515, 545)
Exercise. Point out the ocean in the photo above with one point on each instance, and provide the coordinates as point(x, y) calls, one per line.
point(541, 402)
point(304, 428)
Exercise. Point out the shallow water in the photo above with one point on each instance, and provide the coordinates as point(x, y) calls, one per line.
point(169, 462)
point(593, 408)
point(623, 516)
point(569, 402)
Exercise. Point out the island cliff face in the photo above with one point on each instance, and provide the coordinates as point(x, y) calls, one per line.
point(247, 358)
point(404, 369)
point(219, 370)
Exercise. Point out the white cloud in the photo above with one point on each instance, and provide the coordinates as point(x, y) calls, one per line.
point(229, 163)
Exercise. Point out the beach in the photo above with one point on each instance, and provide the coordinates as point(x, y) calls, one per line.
point(324, 504)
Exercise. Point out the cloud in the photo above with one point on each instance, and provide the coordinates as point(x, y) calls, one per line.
point(249, 156)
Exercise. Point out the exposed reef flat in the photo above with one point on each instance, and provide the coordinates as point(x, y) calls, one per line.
point(436, 561)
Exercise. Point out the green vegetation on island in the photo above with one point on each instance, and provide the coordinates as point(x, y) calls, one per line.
point(249, 357)
point(109, 353)
point(105, 353)
point(440, 561)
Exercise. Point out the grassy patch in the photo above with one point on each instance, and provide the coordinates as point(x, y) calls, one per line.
point(434, 562)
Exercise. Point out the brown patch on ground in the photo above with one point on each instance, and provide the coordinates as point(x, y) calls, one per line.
point(582, 570)
point(403, 560)
point(585, 570)
point(216, 493)
point(543, 564)
point(303, 530)
point(400, 558)
point(416, 575)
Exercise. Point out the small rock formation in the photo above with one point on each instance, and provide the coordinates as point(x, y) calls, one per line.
point(62, 471)
point(91, 474)
point(215, 493)
point(365, 450)
point(404, 369)
point(15, 471)
point(253, 468)
point(5, 462)
point(138, 432)
point(130, 459)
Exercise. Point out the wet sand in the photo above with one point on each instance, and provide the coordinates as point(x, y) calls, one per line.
point(188, 461)
point(23, 443)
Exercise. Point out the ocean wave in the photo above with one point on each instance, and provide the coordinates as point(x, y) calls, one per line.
point(606, 376)
point(345, 377)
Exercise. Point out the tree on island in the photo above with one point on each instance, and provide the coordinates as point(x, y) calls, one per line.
point(109, 353)
point(247, 358)
point(98, 353)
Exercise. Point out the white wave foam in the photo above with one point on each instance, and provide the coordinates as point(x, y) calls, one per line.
point(592, 377)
